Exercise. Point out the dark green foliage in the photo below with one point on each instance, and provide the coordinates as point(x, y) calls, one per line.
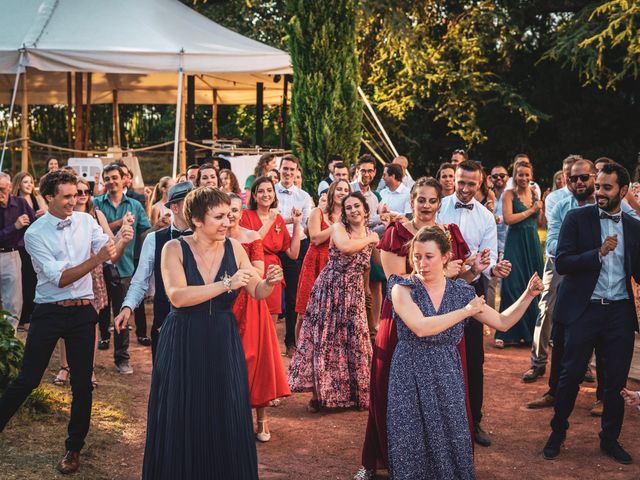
point(11, 351)
point(326, 110)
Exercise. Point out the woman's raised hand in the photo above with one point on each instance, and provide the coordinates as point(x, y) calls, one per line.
point(475, 306)
point(240, 278)
point(535, 286)
point(453, 268)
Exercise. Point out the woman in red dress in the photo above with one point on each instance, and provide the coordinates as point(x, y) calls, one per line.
point(263, 217)
point(267, 380)
point(317, 256)
point(426, 195)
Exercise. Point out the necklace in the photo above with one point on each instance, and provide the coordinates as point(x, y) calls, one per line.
point(203, 258)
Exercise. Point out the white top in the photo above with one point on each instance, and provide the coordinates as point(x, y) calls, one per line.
point(293, 197)
point(55, 250)
point(324, 185)
point(399, 200)
point(407, 181)
point(478, 226)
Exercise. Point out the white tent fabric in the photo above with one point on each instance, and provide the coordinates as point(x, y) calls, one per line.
point(135, 47)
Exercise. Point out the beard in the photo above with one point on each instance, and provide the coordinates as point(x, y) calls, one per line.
point(611, 205)
point(581, 197)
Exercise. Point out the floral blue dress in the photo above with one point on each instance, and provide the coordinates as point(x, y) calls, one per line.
point(428, 431)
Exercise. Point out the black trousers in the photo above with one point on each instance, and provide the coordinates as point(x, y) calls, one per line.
point(29, 282)
point(140, 317)
point(474, 344)
point(49, 322)
point(610, 330)
point(557, 353)
point(117, 292)
point(291, 272)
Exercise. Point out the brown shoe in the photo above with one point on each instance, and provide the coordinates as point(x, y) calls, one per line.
point(69, 463)
point(597, 409)
point(544, 402)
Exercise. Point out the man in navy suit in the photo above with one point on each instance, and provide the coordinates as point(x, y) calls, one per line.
point(598, 252)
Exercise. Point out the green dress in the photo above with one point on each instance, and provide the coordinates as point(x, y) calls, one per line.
point(522, 248)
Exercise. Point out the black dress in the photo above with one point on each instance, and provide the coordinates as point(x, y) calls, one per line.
point(199, 423)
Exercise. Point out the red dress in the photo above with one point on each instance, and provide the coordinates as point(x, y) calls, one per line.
point(314, 261)
point(267, 380)
point(374, 451)
point(277, 240)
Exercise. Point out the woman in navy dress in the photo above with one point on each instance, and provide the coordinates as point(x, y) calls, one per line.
point(199, 422)
point(428, 431)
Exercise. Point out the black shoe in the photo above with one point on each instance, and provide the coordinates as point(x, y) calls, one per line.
point(103, 344)
point(614, 450)
point(145, 341)
point(533, 373)
point(552, 448)
point(588, 376)
point(482, 437)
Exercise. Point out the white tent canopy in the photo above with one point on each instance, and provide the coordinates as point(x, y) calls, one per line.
point(132, 47)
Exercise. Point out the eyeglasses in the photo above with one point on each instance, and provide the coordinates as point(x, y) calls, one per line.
point(583, 178)
point(82, 193)
point(496, 176)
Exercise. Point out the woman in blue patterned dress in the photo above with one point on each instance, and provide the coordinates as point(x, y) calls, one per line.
point(428, 433)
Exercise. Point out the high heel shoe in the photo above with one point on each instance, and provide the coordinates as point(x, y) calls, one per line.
point(261, 435)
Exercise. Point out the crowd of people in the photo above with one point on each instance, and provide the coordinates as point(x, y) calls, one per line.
point(386, 291)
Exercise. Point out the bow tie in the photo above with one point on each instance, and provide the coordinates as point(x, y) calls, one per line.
point(462, 205)
point(175, 233)
point(284, 190)
point(606, 216)
point(62, 224)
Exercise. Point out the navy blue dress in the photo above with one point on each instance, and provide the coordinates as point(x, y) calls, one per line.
point(199, 424)
point(428, 432)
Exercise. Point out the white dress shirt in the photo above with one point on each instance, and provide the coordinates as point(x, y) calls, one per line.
point(398, 200)
point(293, 197)
point(143, 277)
point(54, 250)
point(478, 226)
point(324, 185)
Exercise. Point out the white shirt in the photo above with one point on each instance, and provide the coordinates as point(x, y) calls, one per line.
point(293, 197)
point(55, 250)
point(398, 201)
point(324, 185)
point(407, 181)
point(478, 226)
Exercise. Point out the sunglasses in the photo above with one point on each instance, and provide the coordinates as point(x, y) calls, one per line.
point(496, 176)
point(583, 178)
point(82, 193)
point(460, 151)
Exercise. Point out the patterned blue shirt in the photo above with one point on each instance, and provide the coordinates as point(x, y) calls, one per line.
point(612, 282)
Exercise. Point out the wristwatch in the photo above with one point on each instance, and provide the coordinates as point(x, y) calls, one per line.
point(226, 282)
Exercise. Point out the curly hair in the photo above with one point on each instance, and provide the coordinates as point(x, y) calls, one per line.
point(49, 183)
point(365, 205)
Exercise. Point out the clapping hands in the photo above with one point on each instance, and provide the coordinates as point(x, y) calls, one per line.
point(502, 269)
point(631, 398)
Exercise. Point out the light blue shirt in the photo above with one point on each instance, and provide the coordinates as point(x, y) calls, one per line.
point(478, 226)
point(612, 282)
point(500, 227)
point(398, 201)
point(556, 217)
point(554, 198)
point(291, 197)
point(54, 250)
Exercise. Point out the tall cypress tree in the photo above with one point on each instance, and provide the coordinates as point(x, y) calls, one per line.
point(326, 110)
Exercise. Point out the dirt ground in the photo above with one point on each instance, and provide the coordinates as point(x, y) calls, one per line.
point(322, 446)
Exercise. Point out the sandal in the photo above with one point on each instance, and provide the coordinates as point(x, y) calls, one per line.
point(59, 381)
point(262, 435)
point(498, 343)
point(275, 403)
point(313, 406)
point(94, 380)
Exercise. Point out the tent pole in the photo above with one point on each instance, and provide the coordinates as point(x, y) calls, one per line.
point(176, 136)
point(69, 110)
point(214, 116)
point(191, 115)
point(283, 114)
point(79, 115)
point(116, 119)
point(183, 136)
point(375, 117)
point(87, 111)
point(24, 126)
point(13, 103)
point(259, 114)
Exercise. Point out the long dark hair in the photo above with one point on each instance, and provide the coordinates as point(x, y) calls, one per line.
point(365, 205)
point(253, 205)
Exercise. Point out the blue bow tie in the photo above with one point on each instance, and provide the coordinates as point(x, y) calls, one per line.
point(606, 216)
point(62, 224)
point(288, 192)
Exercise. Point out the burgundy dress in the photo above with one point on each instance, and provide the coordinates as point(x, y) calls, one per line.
point(374, 451)
point(314, 261)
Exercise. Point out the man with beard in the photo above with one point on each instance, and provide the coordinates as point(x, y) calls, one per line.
point(550, 278)
point(598, 251)
point(478, 227)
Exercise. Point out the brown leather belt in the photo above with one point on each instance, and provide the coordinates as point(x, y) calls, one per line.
point(73, 303)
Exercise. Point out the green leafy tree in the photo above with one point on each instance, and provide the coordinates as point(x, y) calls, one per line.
point(326, 109)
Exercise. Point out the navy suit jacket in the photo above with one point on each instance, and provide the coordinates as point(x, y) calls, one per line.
point(578, 260)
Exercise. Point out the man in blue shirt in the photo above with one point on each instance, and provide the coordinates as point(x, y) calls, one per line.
point(116, 205)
